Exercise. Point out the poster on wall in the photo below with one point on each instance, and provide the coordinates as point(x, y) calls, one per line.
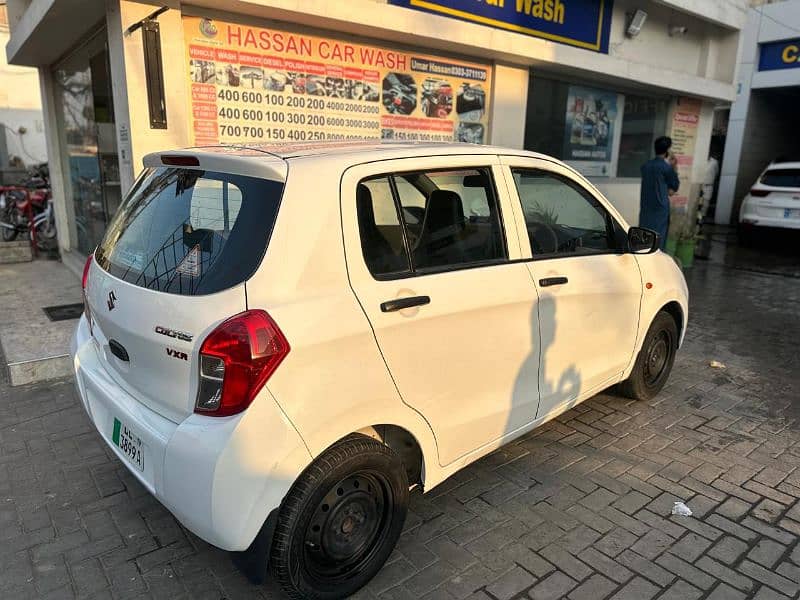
point(250, 84)
point(683, 131)
point(593, 119)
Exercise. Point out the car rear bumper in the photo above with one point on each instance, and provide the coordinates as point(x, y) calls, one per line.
point(751, 217)
point(220, 477)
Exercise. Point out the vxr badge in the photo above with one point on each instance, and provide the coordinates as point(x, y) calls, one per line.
point(112, 297)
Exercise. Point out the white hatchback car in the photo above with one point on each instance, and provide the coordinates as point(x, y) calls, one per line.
point(279, 342)
point(773, 202)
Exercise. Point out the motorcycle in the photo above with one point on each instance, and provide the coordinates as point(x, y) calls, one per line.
point(31, 199)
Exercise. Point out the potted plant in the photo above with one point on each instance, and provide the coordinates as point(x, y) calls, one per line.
point(683, 229)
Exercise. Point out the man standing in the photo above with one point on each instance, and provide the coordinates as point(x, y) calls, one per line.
point(659, 182)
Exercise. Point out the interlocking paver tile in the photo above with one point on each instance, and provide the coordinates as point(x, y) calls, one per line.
point(580, 507)
point(766, 552)
point(553, 587)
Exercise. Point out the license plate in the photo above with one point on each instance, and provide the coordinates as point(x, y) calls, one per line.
point(130, 444)
point(791, 213)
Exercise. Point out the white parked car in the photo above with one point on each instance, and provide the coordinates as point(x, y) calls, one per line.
point(280, 342)
point(773, 202)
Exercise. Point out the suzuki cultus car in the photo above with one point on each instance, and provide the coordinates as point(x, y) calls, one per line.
point(279, 342)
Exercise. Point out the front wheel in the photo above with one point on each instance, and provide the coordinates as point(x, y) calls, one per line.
point(10, 218)
point(340, 521)
point(654, 362)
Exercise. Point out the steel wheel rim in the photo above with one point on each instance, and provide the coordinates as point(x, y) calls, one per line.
point(348, 526)
point(657, 357)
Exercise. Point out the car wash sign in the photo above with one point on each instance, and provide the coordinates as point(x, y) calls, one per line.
point(780, 55)
point(581, 23)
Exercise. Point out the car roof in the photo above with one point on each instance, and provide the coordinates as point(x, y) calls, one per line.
point(369, 148)
point(784, 164)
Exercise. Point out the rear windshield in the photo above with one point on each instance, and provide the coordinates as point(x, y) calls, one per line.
point(190, 232)
point(782, 178)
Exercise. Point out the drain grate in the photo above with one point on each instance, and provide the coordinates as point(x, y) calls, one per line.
point(64, 312)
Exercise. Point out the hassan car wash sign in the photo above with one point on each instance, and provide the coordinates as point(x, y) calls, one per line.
point(780, 55)
point(582, 23)
point(251, 84)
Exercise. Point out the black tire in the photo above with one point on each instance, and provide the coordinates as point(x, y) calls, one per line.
point(655, 359)
point(340, 521)
point(9, 235)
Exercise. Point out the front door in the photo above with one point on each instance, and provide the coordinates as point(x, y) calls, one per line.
point(589, 288)
point(455, 320)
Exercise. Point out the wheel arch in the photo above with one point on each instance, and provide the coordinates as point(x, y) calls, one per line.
point(674, 309)
point(404, 444)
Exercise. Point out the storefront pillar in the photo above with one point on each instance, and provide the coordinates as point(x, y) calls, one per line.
point(510, 101)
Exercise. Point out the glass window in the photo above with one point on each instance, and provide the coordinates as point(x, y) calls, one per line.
point(562, 219)
point(190, 232)
point(460, 221)
point(782, 178)
point(449, 218)
point(87, 134)
point(577, 123)
point(645, 119)
point(380, 229)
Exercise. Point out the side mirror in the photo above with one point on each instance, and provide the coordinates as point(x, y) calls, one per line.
point(642, 241)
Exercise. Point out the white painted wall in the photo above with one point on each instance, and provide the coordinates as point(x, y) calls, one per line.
point(21, 106)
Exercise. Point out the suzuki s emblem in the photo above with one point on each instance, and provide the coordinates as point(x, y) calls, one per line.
point(112, 297)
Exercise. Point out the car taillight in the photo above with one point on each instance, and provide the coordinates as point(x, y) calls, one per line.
point(86, 268)
point(236, 360)
point(84, 280)
point(759, 193)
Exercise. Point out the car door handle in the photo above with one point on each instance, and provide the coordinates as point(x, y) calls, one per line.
point(548, 281)
point(401, 303)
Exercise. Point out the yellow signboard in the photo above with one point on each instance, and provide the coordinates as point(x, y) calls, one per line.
point(250, 84)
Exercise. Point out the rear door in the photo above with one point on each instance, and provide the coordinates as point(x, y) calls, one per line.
point(455, 319)
point(171, 267)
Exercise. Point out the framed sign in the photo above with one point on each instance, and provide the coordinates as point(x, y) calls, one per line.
point(580, 23)
point(251, 84)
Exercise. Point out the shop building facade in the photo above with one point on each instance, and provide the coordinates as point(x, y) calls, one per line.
point(764, 120)
point(590, 82)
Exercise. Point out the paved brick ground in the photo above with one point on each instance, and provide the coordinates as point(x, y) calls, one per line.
point(580, 508)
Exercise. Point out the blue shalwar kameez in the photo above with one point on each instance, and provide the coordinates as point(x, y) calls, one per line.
point(658, 177)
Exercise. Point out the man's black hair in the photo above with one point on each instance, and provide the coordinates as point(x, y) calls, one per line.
point(662, 145)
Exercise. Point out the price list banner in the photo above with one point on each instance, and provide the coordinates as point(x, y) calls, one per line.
point(250, 84)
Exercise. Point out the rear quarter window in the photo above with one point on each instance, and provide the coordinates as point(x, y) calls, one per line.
point(190, 232)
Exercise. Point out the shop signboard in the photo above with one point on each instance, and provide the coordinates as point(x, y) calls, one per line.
point(683, 131)
point(779, 55)
point(252, 84)
point(593, 122)
point(581, 23)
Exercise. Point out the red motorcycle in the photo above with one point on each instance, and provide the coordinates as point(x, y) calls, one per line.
point(31, 201)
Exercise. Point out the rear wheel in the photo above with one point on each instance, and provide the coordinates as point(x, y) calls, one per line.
point(654, 362)
point(340, 521)
point(11, 218)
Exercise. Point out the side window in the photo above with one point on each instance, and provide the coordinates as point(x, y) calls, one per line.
point(459, 222)
point(562, 218)
point(411, 222)
point(380, 229)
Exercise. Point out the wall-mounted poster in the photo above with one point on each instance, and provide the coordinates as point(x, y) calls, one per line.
point(683, 131)
point(250, 84)
point(593, 120)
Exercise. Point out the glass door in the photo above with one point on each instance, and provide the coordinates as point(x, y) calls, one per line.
point(88, 139)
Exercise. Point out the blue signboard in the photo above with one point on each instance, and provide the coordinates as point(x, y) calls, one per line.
point(581, 23)
point(780, 55)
